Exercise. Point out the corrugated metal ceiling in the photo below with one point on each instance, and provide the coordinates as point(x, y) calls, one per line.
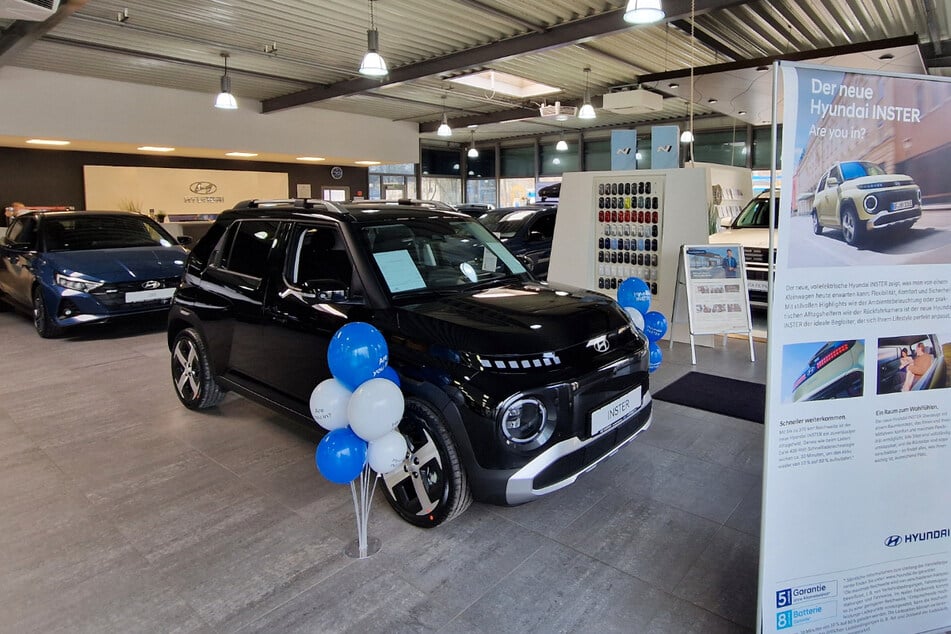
point(281, 47)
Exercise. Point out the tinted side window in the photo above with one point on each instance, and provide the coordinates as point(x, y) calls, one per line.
point(23, 232)
point(319, 253)
point(248, 246)
point(822, 182)
point(545, 226)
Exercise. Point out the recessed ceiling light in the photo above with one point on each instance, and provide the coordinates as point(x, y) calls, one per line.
point(46, 142)
point(886, 56)
point(506, 84)
point(155, 148)
point(241, 154)
point(741, 112)
point(366, 162)
point(673, 84)
point(311, 158)
point(712, 100)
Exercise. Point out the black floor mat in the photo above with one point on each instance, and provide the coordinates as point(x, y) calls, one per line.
point(731, 397)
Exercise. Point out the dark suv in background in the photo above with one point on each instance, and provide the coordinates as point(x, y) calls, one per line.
point(513, 387)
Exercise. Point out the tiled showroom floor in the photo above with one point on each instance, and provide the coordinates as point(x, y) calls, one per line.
point(121, 511)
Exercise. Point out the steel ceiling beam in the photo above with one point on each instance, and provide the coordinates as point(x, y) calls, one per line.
point(20, 35)
point(832, 51)
point(556, 36)
point(708, 40)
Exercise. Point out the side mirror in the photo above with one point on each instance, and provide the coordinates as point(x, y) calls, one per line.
point(832, 181)
point(326, 290)
point(185, 240)
point(726, 223)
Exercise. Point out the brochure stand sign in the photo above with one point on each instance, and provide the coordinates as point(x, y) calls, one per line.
point(712, 281)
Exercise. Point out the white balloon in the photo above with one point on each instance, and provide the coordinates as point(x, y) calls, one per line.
point(636, 317)
point(376, 408)
point(387, 452)
point(328, 404)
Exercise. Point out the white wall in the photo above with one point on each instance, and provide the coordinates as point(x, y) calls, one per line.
point(43, 104)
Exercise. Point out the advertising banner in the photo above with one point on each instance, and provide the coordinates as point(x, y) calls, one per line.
point(623, 150)
point(665, 147)
point(716, 289)
point(856, 532)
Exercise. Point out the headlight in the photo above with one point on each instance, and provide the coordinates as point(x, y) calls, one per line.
point(871, 203)
point(75, 283)
point(524, 420)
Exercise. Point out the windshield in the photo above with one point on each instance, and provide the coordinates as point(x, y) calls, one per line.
point(858, 169)
point(756, 215)
point(438, 254)
point(85, 232)
point(507, 223)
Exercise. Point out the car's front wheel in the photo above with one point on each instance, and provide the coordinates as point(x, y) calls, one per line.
point(431, 487)
point(816, 225)
point(191, 372)
point(852, 230)
point(44, 324)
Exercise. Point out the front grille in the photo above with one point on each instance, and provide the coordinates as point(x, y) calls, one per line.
point(577, 461)
point(112, 295)
point(887, 198)
point(888, 219)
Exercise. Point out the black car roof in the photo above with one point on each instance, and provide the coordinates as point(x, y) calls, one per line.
point(59, 214)
point(362, 212)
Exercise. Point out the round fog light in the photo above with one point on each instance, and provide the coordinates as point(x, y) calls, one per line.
point(524, 420)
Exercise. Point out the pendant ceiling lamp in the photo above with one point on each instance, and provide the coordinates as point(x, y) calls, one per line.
point(644, 12)
point(587, 110)
point(225, 99)
point(373, 64)
point(562, 145)
point(473, 152)
point(444, 129)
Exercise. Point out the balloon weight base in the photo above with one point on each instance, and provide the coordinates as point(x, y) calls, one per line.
point(353, 548)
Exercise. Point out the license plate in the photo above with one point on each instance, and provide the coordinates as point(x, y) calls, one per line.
point(147, 296)
point(901, 204)
point(614, 412)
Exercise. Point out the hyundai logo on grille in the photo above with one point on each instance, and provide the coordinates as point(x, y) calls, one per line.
point(600, 344)
point(203, 188)
point(893, 540)
point(151, 285)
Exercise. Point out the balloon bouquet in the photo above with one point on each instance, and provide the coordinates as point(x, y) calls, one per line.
point(634, 296)
point(361, 406)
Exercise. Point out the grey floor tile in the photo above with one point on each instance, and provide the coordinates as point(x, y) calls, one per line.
point(686, 618)
point(559, 589)
point(746, 517)
point(644, 538)
point(724, 578)
point(699, 487)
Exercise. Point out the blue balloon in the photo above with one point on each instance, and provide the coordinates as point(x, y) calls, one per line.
point(656, 356)
point(655, 325)
point(390, 374)
point(341, 455)
point(357, 353)
point(634, 293)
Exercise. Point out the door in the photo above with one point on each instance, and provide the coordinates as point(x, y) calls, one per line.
point(299, 325)
point(18, 259)
point(541, 230)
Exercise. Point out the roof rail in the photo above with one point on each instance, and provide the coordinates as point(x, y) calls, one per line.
point(284, 203)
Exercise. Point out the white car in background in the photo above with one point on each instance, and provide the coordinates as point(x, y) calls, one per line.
point(750, 229)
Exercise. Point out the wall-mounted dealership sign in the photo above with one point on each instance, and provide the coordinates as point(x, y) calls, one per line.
point(177, 191)
point(857, 478)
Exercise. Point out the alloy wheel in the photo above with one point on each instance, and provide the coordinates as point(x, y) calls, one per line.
point(420, 485)
point(186, 369)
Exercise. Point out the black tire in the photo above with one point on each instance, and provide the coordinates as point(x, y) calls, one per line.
point(45, 327)
point(816, 225)
point(432, 487)
point(191, 372)
point(852, 230)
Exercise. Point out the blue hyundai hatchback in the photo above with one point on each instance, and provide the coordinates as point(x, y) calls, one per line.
point(77, 267)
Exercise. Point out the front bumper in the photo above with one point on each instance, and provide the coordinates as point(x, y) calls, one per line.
point(561, 464)
point(72, 308)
